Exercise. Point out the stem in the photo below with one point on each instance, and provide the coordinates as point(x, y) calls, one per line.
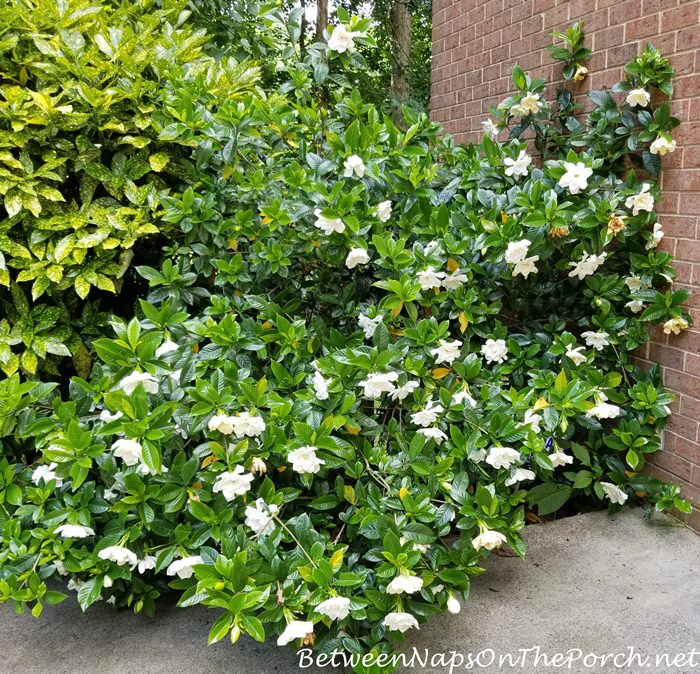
point(296, 540)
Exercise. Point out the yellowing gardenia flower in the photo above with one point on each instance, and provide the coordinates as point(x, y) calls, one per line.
point(384, 210)
point(233, 483)
point(403, 391)
point(587, 265)
point(517, 251)
point(354, 166)
point(675, 325)
point(182, 568)
point(429, 278)
point(634, 283)
point(603, 410)
point(495, 351)
point(119, 555)
point(517, 110)
point(429, 415)
point(635, 306)
point(531, 103)
point(356, 256)
point(560, 458)
point(342, 39)
point(258, 466)
point(433, 434)
point(130, 382)
point(247, 425)
point(335, 608)
point(304, 460)
point(488, 540)
point(46, 474)
point(520, 475)
point(74, 531)
point(644, 201)
point(490, 129)
point(398, 621)
point(446, 352)
point(166, 347)
point(147, 563)
point(106, 415)
point(614, 493)
point(662, 146)
point(320, 386)
point(222, 423)
point(502, 457)
point(378, 383)
point(260, 517)
point(328, 225)
point(405, 583)
point(656, 236)
point(297, 629)
point(518, 167)
point(369, 325)
point(576, 176)
point(580, 73)
point(453, 605)
point(130, 451)
point(638, 97)
point(598, 340)
point(576, 354)
point(454, 280)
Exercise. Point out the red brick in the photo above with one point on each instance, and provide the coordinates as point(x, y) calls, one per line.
point(686, 15)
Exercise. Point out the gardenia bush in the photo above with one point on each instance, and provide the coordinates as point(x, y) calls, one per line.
point(368, 357)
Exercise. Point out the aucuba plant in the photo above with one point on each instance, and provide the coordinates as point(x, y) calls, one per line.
point(366, 358)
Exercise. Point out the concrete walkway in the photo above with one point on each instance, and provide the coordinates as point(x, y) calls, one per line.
point(590, 582)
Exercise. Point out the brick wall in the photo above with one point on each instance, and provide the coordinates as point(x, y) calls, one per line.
point(475, 45)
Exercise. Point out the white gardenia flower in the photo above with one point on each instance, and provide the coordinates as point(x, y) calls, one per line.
point(46, 473)
point(453, 605)
point(614, 493)
point(477, 455)
point(502, 457)
point(384, 210)
point(328, 225)
point(495, 351)
point(247, 425)
point(342, 39)
point(297, 629)
point(598, 340)
point(603, 410)
point(429, 415)
point(576, 177)
point(455, 280)
point(577, 354)
point(643, 201)
point(433, 434)
point(488, 540)
point(147, 563)
point(559, 458)
point(399, 621)
point(587, 265)
point(130, 451)
point(517, 110)
point(520, 475)
point(429, 278)
point(403, 391)
point(233, 483)
point(656, 236)
point(119, 555)
point(635, 306)
point(74, 531)
point(526, 267)
point(106, 415)
point(531, 103)
point(259, 517)
point(130, 382)
point(304, 460)
point(638, 97)
point(369, 325)
point(405, 582)
point(518, 167)
point(222, 423)
point(634, 283)
point(662, 146)
point(517, 251)
point(354, 166)
point(378, 383)
point(463, 397)
point(490, 129)
point(356, 256)
point(182, 568)
point(320, 386)
point(533, 420)
point(166, 347)
point(446, 352)
point(335, 608)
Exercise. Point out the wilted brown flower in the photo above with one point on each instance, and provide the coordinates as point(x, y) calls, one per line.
point(558, 232)
point(616, 223)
